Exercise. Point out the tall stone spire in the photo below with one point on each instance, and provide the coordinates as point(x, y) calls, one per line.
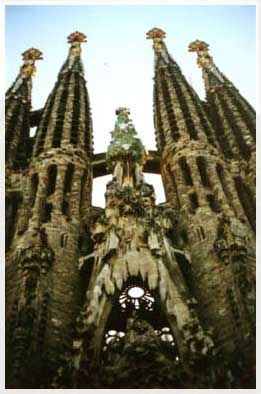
point(197, 182)
point(17, 107)
point(234, 121)
point(232, 116)
point(66, 119)
point(56, 196)
point(179, 117)
point(178, 111)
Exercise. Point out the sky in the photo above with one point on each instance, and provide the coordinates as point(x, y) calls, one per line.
point(118, 59)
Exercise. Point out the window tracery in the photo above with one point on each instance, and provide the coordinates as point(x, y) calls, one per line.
point(133, 302)
point(137, 297)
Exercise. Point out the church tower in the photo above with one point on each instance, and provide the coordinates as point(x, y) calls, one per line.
point(213, 224)
point(42, 279)
point(136, 295)
point(234, 121)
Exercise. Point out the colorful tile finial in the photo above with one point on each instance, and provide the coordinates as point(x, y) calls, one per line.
point(201, 48)
point(122, 111)
point(32, 54)
point(76, 37)
point(198, 46)
point(155, 33)
point(28, 69)
point(125, 144)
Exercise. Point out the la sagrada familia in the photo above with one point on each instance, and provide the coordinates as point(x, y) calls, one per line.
point(135, 295)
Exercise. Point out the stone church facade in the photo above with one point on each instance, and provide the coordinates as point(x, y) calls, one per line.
point(135, 295)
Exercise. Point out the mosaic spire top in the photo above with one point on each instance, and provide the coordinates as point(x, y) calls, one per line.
point(157, 35)
point(125, 144)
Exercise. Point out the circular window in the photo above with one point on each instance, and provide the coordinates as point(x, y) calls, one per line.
point(136, 292)
point(136, 297)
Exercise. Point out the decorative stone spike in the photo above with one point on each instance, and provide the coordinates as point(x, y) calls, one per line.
point(101, 309)
point(117, 274)
point(108, 284)
point(145, 265)
point(153, 275)
point(163, 282)
point(133, 262)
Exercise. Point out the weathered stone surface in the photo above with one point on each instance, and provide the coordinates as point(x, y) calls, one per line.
point(135, 295)
point(207, 179)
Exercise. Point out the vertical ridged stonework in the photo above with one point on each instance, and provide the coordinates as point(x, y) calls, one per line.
point(198, 182)
point(135, 295)
point(66, 117)
point(234, 121)
point(57, 197)
point(17, 111)
point(227, 108)
point(178, 114)
point(17, 140)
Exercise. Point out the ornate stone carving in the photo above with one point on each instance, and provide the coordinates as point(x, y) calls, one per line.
point(231, 239)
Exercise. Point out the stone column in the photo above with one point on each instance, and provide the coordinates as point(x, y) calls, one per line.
point(58, 195)
point(199, 188)
point(40, 195)
point(75, 194)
